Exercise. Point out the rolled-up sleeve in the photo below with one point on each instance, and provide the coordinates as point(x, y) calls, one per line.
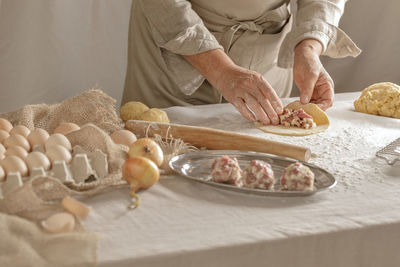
point(318, 19)
point(178, 30)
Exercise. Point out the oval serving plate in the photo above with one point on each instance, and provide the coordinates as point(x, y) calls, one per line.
point(197, 167)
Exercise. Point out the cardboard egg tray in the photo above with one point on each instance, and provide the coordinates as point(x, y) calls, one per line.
point(84, 167)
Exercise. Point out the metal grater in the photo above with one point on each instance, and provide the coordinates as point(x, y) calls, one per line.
point(391, 152)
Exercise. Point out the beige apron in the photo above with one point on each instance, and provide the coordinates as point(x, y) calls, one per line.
point(161, 78)
point(254, 44)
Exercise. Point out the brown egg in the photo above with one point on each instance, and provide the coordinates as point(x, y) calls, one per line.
point(16, 151)
point(17, 140)
point(5, 125)
point(58, 139)
point(62, 222)
point(3, 136)
point(123, 137)
point(66, 127)
point(2, 149)
point(37, 160)
point(20, 129)
point(2, 174)
point(57, 152)
point(38, 136)
point(14, 164)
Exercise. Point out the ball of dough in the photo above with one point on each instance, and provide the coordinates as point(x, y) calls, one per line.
point(154, 114)
point(380, 99)
point(131, 110)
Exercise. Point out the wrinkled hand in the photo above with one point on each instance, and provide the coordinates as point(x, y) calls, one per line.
point(248, 90)
point(314, 82)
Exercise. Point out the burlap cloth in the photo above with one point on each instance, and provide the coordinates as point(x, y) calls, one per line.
point(24, 243)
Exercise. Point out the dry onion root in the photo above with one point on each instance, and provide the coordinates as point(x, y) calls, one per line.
point(140, 173)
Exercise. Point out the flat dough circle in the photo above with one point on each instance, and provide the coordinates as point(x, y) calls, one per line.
point(319, 116)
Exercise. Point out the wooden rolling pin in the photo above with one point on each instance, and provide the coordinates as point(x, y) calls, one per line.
point(217, 139)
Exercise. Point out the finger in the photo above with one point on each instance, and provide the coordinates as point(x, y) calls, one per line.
point(325, 88)
point(267, 90)
point(257, 109)
point(240, 105)
point(270, 111)
point(306, 85)
point(266, 105)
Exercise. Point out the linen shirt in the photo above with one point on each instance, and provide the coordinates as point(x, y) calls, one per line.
point(257, 34)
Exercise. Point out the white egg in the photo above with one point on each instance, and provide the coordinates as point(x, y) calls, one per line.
point(37, 160)
point(14, 164)
point(3, 136)
point(2, 174)
point(62, 222)
point(57, 152)
point(123, 137)
point(2, 149)
point(38, 136)
point(58, 139)
point(17, 140)
point(20, 129)
point(17, 151)
point(66, 127)
point(5, 125)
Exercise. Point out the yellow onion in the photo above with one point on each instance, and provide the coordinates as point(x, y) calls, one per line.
point(140, 173)
point(145, 147)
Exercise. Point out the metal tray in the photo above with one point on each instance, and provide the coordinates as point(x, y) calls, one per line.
point(197, 167)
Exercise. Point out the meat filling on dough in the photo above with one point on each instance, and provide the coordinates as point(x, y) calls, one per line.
point(259, 174)
point(297, 118)
point(297, 177)
point(226, 169)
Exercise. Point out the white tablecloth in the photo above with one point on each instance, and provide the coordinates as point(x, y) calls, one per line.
point(183, 223)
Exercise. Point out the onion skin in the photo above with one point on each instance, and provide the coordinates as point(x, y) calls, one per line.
point(145, 147)
point(140, 173)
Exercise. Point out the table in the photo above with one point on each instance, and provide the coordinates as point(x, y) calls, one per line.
point(183, 223)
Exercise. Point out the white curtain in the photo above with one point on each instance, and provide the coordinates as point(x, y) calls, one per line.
point(54, 49)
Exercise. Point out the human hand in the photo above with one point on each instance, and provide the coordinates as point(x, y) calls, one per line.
point(313, 81)
point(248, 91)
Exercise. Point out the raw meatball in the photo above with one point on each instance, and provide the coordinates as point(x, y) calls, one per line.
point(226, 169)
point(259, 174)
point(297, 177)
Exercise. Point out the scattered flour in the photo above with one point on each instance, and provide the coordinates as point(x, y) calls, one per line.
point(346, 150)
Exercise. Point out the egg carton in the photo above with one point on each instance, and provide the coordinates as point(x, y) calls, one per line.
point(84, 167)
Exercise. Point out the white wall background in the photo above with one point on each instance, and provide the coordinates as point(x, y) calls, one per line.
point(54, 49)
